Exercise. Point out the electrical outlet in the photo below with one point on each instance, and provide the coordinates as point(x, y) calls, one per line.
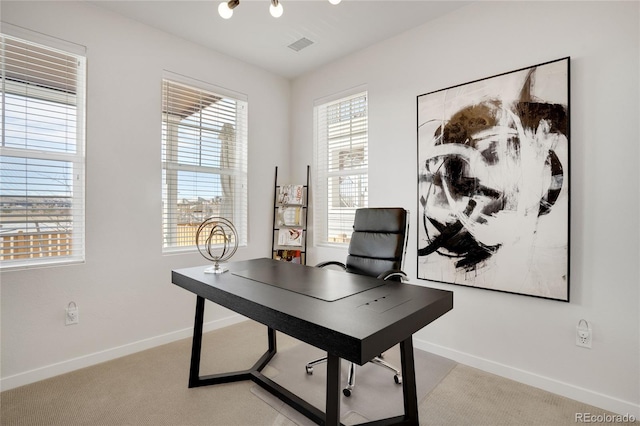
point(72, 316)
point(584, 336)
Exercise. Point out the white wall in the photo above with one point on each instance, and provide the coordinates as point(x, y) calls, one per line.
point(528, 339)
point(124, 290)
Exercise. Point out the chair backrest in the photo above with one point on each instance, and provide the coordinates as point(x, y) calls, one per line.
point(378, 241)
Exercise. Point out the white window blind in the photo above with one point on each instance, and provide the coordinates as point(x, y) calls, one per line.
point(42, 159)
point(341, 165)
point(204, 158)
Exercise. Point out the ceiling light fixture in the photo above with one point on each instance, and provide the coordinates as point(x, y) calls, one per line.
point(276, 9)
point(225, 9)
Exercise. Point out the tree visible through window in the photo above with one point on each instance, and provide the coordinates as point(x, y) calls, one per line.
point(204, 157)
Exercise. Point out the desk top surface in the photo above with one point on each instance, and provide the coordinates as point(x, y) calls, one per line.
point(357, 318)
point(325, 284)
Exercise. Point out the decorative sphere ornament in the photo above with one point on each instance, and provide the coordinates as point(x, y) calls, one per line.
point(217, 241)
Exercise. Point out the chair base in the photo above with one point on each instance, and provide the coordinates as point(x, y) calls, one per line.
point(351, 380)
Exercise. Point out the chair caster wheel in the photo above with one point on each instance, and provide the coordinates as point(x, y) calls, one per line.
point(309, 369)
point(398, 379)
point(346, 392)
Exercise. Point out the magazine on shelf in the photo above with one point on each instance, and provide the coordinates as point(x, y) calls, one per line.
point(293, 256)
point(291, 194)
point(289, 216)
point(290, 237)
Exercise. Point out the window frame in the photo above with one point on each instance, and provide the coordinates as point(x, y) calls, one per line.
point(171, 165)
point(33, 91)
point(323, 150)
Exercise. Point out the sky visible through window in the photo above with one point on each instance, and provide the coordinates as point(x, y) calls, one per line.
point(33, 125)
point(36, 192)
point(193, 185)
point(199, 145)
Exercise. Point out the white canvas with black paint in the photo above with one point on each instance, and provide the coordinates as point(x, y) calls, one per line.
point(493, 171)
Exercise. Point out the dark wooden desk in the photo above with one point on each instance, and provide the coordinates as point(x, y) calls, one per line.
point(357, 325)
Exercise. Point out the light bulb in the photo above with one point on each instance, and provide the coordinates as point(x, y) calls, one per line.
point(276, 9)
point(224, 10)
point(335, 1)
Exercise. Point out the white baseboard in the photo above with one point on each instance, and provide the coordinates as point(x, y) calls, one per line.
point(67, 366)
point(567, 390)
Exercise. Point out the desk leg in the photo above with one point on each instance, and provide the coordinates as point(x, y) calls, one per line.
point(196, 347)
point(409, 381)
point(271, 335)
point(332, 408)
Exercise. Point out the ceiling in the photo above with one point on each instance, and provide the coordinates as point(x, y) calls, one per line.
point(254, 36)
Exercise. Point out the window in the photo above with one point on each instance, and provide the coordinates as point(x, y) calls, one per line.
point(42, 152)
point(204, 160)
point(341, 159)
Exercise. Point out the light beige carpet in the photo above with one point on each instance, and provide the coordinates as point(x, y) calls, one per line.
point(468, 396)
point(150, 388)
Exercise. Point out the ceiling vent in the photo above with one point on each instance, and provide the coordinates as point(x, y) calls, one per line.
point(300, 44)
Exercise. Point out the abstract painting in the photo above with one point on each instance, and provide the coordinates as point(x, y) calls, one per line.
point(493, 182)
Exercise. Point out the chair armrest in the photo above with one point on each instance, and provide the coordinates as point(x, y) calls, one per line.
point(331, 262)
point(393, 273)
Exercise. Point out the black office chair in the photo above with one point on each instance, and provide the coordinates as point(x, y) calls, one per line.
point(377, 249)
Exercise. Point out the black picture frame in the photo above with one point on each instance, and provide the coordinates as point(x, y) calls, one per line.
point(494, 182)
